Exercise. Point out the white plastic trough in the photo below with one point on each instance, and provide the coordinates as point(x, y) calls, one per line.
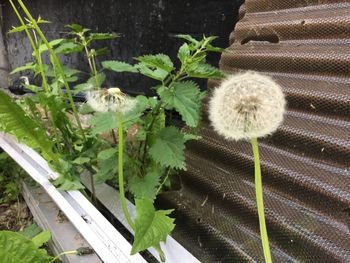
point(107, 242)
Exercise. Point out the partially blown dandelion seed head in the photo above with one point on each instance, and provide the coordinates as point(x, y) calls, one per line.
point(247, 105)
point(111, 99)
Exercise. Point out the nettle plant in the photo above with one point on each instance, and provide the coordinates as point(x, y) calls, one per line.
point(146, 150)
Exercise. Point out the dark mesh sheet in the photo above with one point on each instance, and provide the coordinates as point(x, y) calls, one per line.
point(304, 45)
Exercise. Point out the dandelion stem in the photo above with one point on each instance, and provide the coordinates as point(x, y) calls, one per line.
point(260, 202)
point(120, 171)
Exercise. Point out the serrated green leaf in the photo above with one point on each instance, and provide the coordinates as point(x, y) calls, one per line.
point(102, 36)
point(160, 61)
point(16, 248)
point(185, 98)
point(68, 48)
point(103, 122)
point(158, 74)
point(188, 38)
point(53, 43)
point(42, 238)
point(15, 121)
point(144, 187)
point(118, 66)
point(184, 52)
point(151, 226)
point(98, 80)
point(77, 28)
point(81, 160)
point(107, 154)
point(28, 66)
point(168, 149)
point(82, 88)
point(203, 70)
point(101, 51)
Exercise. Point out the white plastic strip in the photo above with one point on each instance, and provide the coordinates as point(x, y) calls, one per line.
point(109, 197)
point(107, 242)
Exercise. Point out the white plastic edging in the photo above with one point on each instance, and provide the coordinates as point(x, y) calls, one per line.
point(107, 242)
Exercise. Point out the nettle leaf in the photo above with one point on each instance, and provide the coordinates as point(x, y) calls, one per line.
point(185, 98)
point(28, 66)
point(68, 48)
point(158, 74)
point(118, 66)
point(168, 149)
point(107, 154)
point(82, 88)
point(160, 61)
point(102, 36)
point(15, 121)
point(184, 52)
point(203, 70)
point(188, 38)
point(76, 28)
point(16, 248)
point(103, 122)
point(144, 187)
point(98, 80)
point(53, 43)
point(151, 226)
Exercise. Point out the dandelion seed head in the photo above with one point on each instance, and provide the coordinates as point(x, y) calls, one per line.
point(247, 105)
point(111, 99)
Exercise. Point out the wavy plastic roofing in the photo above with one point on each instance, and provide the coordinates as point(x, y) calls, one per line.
point(305, 46)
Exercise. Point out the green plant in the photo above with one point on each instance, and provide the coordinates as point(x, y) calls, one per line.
point(148, 148)
point(10, 176)
point(155, 150)
point(249, 106)
point(16, 247)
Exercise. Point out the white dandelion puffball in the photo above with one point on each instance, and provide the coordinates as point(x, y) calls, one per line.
point(111, 99)
point(247, 105)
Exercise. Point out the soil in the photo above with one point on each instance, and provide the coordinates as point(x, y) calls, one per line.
point(15, 216)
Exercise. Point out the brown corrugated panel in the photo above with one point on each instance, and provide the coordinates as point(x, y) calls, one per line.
point(305, 46)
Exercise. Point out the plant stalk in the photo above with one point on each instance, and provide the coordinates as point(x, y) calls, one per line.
point(59, 67)
point(260, 201)
point(120, 170)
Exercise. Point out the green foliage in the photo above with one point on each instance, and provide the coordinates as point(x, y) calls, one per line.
point(10, 175)
point(151, 226)
point(168, 150)
point(185, 97)
point(152, 149)
point(17, 248)
point(145, 187)
point(16, 122)
point(40, 239)
point(118, 66)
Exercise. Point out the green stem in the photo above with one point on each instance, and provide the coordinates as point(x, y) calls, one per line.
point(120, 170)
point(41, 69)
point(260, 201)
point(59, 67)
point(162, 184)
point(62, 254)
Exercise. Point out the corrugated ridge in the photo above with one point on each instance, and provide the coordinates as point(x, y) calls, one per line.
point(273, 5)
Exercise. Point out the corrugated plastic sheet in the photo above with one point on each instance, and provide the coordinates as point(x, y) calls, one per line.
point(305, 46)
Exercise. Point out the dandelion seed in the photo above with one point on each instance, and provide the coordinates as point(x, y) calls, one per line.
point(110, 100)
point(247, 105)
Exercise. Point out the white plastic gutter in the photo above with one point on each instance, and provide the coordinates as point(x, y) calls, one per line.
point(107, 242)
